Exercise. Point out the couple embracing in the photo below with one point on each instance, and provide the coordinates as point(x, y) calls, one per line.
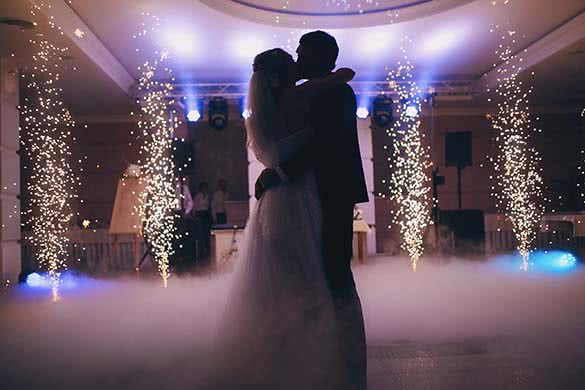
point(295, 319)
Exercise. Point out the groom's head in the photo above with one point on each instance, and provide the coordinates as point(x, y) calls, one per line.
point(317, 53)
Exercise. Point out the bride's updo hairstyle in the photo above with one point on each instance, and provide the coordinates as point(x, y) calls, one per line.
point(271, 76)
point(275, 64)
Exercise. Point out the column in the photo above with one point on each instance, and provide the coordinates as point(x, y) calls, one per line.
point(367, 152)
point(10, 261)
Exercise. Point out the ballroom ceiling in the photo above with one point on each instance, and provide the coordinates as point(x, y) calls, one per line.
point(214, 41)
point(331, 13)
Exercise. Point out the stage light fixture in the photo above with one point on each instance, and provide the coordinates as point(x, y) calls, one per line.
point(412, 111)
point(193, 116)
point(382, 110)
point(218, 112)
point(244, 108)
point(362, 112)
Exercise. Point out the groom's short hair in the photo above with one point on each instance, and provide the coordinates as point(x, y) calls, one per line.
point(324, 44)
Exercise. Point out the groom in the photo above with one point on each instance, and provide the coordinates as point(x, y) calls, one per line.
point(335, 159)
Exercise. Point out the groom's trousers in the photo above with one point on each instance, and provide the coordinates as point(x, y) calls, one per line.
point(337, 252)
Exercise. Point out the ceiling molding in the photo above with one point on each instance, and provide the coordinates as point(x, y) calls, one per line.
point(83, 37)
point(556, 40)
point(351, 12)
point(309, 14)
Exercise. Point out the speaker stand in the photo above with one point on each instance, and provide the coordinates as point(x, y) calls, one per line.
point(459, 170)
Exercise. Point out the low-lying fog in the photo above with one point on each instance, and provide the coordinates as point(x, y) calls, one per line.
point(104, 333)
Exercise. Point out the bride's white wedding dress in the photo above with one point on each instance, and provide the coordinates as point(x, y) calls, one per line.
point(279, 327)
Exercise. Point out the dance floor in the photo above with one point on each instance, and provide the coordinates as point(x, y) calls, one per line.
point(474, 364)
point(461, 325)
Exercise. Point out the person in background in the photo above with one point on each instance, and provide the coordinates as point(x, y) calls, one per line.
point(184, 248)
point(201, 207)
point(218, 203)
point(184, 198)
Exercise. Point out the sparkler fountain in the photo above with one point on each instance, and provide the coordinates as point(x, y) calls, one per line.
point(410, 184)
point(46, 138)
point(518, 190)
point(157, 124)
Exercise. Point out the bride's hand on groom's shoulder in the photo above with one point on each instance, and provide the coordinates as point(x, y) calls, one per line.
point(346, 74)
point(268, 179)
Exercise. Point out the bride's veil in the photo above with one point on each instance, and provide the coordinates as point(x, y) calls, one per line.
point(265, 124)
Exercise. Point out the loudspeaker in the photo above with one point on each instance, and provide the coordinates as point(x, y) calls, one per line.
point(184, 157)
point(458, 149)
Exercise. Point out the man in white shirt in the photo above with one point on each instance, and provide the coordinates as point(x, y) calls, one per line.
point(185, 246)
point(184, 199)
point(201, 207)
point(218, 210)
point(201, 201)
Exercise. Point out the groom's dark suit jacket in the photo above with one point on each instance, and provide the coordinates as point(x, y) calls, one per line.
point(334, 157)
point(334, 154)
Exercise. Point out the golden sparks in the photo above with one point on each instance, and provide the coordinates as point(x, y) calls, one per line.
point(518, 189)
point(352, 5)
point(79, 33)
point(581, 170)
point(503, 2)
point(46, 139)
point(581, 174)
point(410, 183)
point(156, 123)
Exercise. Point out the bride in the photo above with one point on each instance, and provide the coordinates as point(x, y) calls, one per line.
point(279, 324)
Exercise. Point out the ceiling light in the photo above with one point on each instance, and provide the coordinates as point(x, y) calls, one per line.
point(245, 47)
point(374, 43)
point(179, 41)
point(440, 41)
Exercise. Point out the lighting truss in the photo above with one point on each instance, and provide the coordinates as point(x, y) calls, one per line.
point(444, 88)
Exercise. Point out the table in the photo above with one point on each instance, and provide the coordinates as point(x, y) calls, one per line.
point(360, 240)
point(224, 244)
